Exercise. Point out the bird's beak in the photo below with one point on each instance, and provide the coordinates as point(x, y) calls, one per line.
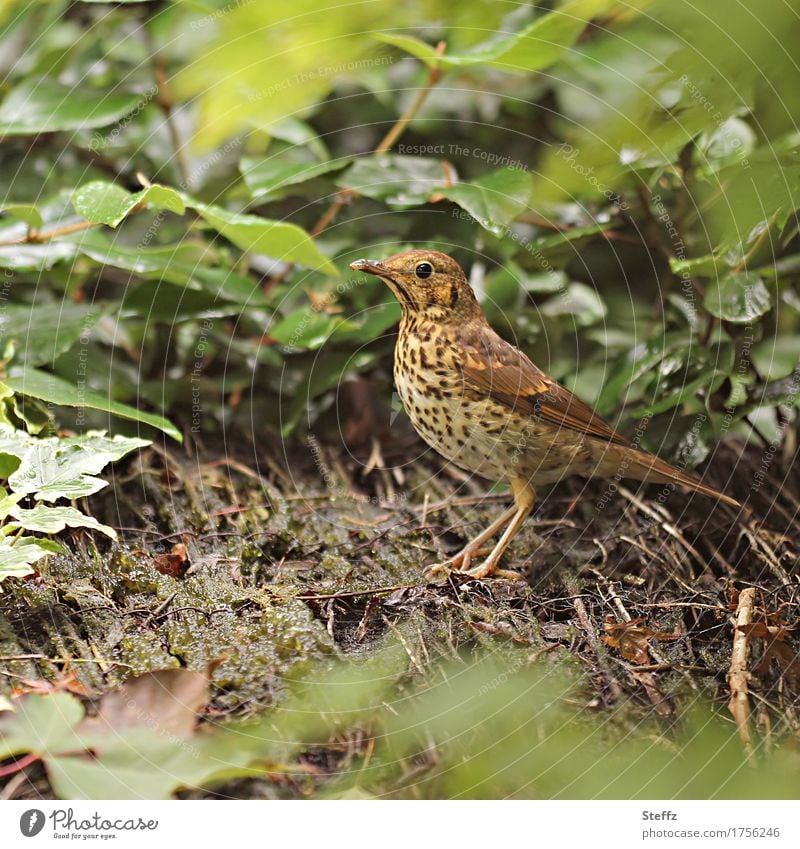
point(369, 266)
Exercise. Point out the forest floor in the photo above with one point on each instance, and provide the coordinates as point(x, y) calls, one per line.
point(255, 567)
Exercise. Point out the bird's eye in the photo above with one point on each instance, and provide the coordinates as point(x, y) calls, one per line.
point(423, 270)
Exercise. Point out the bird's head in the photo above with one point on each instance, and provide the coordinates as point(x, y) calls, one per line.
point(426, 282)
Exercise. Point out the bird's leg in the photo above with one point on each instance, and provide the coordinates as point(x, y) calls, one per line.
point(524, 499)
point(463, 559)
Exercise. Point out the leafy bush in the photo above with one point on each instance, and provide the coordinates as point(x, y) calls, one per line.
point(181, 192)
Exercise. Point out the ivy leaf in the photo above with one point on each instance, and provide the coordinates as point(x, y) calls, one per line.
point(64, 468)
point(494, 200)
point(39, 105)
point(40, 724)
point(738, 297)
point(47, 387)
point(53, 520)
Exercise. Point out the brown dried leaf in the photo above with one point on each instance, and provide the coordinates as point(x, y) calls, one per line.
point(166, 701)
point(632, 639)
point(172, 563)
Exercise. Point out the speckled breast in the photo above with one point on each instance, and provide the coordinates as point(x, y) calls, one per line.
point(474, 432)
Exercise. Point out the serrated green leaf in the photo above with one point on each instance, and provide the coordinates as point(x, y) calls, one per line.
point(738, 297)
point(39, 105)
point(53, 520)
point(54, 390)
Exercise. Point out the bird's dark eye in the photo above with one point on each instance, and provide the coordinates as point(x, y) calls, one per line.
point(423, 270)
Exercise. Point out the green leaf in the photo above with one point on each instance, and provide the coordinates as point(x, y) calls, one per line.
point(277, 239)
point(44, 331)
point(54, 390)
point(31, 257)
point(53, 520)
point(185, 264)
point(265, 176)
point(777, 357)
point(107, 203)
point(39, 105)
point(400, 181)
point(56, 468)
point(536, 46)
point(494, 200)
point(25, 212)
point(304, 328)
point(578, 300)
point(17, 555)
point(40, 724)
point(710, 381)
point(738, 297)
point(703, 266)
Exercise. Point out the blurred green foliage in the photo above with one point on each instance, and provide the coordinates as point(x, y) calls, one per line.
point(498, 725)
point(620, 181)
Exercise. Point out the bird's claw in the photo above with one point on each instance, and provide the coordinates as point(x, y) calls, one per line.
point(461, 563)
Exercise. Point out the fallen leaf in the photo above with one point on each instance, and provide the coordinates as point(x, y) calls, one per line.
point(775, 648)
point(166, 701)
point(174, 562)
point(632, 639)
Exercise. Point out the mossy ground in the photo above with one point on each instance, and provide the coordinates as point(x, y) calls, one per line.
point(293, 561)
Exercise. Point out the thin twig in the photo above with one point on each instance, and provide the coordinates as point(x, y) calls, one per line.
point(346, 196)
point(34, 238)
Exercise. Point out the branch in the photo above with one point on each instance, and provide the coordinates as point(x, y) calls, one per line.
point(738, 675)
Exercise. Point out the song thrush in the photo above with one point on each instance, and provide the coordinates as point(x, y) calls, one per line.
point(482, 404)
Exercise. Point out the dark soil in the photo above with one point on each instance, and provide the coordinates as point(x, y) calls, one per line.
point(305, 553)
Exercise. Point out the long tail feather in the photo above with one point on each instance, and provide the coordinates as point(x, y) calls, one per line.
point(656, 470)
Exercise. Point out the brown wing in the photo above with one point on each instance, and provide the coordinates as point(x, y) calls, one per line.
point(492, 366)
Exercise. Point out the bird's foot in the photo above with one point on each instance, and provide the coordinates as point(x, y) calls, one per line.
point(458, 562)
point(461, 563)
point(489, 569)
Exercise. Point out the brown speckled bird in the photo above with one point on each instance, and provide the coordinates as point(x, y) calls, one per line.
point(482, 404)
